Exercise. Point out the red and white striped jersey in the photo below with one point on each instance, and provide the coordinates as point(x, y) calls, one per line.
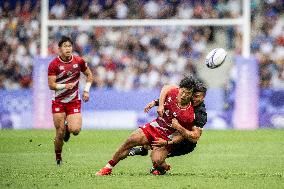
point(185, 115)
point(67, 72)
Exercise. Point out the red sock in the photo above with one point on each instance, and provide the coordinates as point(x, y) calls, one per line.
point(58, 154)
point(112, 163)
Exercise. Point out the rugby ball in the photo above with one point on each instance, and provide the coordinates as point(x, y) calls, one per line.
point(215, 58)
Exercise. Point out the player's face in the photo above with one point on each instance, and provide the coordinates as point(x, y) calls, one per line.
point(184, 95)
point(66, 49)
point(198, 98)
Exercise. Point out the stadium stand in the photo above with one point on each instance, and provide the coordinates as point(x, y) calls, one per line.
point(126, 58)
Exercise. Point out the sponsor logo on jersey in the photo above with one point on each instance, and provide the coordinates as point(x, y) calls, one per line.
point(167, 112)
point(61, 67)
point(169, 99)
point(76, 110)
point(175, 114)
point(69, 73)
point(57, 109)
point(75, 65)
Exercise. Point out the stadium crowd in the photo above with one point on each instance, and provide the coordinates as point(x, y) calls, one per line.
point(142, 9)
point(144, 57)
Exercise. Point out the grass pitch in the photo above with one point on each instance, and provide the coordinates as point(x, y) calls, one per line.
point(222, 159)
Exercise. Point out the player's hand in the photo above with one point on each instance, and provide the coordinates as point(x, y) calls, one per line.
point(175, 123)
point(86, 96)
point(149, 106)
point(70, 85)
point(159, 142)
point(160, 111)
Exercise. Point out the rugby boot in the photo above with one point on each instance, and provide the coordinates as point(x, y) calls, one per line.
point(66, 136)
point(158, 170)
point(59, 162)
point(104, 171)
point(138, 151)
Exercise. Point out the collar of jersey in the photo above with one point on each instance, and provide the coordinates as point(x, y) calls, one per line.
point(184, 107)
point(64, 61)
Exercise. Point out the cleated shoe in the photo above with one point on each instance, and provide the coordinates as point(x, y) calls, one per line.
point(66, 136)
point(143, 151)
point(158, 170)
point(138, 151)
point(104, 171)
point(59, 162)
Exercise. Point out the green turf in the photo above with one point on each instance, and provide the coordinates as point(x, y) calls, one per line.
point(223, 159)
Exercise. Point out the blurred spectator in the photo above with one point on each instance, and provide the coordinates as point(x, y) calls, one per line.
point(19, 41)
point(57, 11)
point(139, 9)
point(267, 44)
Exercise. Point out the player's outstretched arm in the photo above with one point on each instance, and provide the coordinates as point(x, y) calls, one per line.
point(89, 81)
point(192, 136)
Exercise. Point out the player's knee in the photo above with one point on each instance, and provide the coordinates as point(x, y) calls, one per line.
point(74, 131)
point(60, 135)
point(157, 161)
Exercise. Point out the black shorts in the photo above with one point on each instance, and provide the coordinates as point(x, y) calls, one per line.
point(182, 148)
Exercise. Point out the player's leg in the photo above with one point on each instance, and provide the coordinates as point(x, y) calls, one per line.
point(179, 149)
point(135, 139)
point(74, 119)
point(158, 156)
point(182, 148)
point(66, 133)
point(74, 123)
point(58, 120)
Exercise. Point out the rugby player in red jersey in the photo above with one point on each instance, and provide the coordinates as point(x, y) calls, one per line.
point(189, 139)
point(63, 77)
point(174, 104)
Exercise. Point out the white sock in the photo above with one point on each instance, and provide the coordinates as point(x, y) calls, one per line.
point(109, 166)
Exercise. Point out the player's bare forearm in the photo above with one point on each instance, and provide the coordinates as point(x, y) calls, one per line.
point(192, 136)
point(89, 81)
point(177, 138)
point(149, 106)
point(89, 75)
point(52, 82)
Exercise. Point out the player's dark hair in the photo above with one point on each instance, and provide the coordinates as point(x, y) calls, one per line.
point(187, 82)
point(200, 87)
point(64, 39)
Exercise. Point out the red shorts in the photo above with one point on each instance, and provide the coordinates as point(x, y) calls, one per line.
point(153, 133)
point(68, 108)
